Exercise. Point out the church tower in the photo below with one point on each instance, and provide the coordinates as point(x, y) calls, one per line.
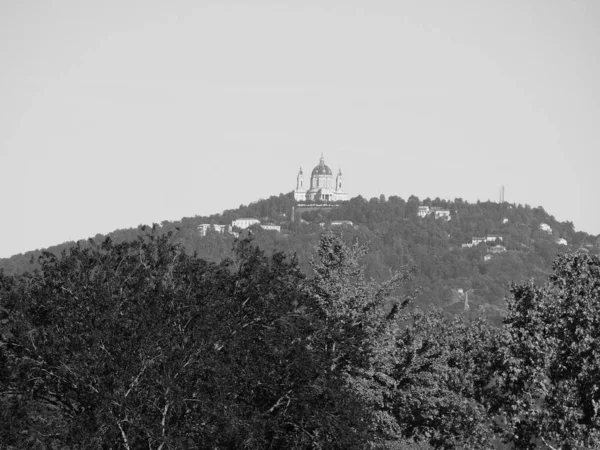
point(300, 181)
point(300, 192)
point(338, 181)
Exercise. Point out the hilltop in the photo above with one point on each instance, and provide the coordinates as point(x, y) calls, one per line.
point(461, 262)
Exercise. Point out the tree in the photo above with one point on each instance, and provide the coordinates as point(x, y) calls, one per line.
point(548, 388)
point(441, 374)
point(138, 345)
point(361, 326)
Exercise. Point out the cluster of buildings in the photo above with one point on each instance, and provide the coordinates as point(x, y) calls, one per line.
point(241, 224)
point(424, 211)
point(493, 250)
point(487, 239)
point(478, 240)
point(545, 227)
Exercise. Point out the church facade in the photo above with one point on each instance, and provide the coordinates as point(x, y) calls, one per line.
point(323, 185)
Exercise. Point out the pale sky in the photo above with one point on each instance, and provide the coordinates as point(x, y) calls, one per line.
point(115, 113)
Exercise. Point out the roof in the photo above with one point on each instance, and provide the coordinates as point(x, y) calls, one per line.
point(322, 169)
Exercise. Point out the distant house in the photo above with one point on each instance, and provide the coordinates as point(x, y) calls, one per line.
point(477, 240)
point(497, 249)
point(203, 228)
point(504, 220)
point(438, 212)
point(338, 223)
point(423, 211)
point(271, 227)
point(442, 213)
point(561, 241)
point(545, 227)
point(467, 245)
point(492, 238)
point(342, 223)
point(244, 223)
point(487, 257)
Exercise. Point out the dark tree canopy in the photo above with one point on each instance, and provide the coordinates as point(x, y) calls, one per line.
point(140, 345)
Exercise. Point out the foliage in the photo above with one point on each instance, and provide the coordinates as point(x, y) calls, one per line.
point(142, 344)
point(442, 370)
point(397, 237)
point(362, 324)
point(549, 365)
point(138, 345)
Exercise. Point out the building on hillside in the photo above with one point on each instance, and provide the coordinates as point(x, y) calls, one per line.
point(492, 238)
point(323, 185)
point(338, 223)
point(477, 240)
point(342, 223)
point(244, 223)
point(545, 227)
point(271, 227)
point(423, 211)
point(497, 249)
point(505, 220)
point(561, 241)
point(441, 213)
point(487, 257)
point(204, 227)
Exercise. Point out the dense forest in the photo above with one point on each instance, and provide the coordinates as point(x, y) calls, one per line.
point(456, 279)
point(140, 345)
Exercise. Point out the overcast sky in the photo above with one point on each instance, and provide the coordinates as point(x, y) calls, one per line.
point(115, 113)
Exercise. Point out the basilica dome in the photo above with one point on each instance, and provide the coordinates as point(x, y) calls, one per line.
point(321, 169)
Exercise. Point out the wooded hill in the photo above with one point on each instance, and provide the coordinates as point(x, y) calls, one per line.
point(160, 338)
point(397, 238)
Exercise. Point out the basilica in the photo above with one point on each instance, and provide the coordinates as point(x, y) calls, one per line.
point(323, 186)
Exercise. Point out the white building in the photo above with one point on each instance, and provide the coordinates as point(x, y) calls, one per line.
point(244, 223)
point(545, 227)
point(322, 185)
point(438, 212)
point(338, 223)
point(203, 228)
point(423, 211)
point(442, 213)
point(270, 226)
point(561, 241)
point(492, 238)
point(342, 223)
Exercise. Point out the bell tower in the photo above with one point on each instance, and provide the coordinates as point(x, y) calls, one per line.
point(300, 192)
point(338, 181)
point(300, 181)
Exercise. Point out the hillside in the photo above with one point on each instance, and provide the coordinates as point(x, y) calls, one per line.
point(456, 278)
